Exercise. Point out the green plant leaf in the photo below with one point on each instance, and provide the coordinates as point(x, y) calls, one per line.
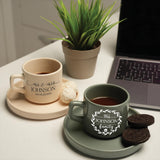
point(85, 23)
point(64, 39)
point(54, 24)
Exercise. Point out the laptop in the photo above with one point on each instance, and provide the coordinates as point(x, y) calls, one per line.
point(136, 66)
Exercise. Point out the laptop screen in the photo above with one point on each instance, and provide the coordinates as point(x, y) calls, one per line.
point(139, 34)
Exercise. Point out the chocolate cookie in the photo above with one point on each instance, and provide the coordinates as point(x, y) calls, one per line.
point(133, 136)
point(140, 120)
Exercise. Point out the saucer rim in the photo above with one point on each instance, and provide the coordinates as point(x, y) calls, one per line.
point(123, 152)
point(34, 115)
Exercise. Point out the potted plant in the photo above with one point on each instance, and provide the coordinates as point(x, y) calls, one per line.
point(84, 25)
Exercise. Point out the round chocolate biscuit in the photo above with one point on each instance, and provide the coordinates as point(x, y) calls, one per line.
point(133, 136)
point(140, 120)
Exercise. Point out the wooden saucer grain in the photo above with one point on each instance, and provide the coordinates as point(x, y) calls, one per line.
point(20, 106)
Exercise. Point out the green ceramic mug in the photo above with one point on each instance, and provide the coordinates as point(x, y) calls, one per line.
point(105, 110)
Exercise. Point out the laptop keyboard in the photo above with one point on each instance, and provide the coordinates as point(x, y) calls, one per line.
point(138, 71)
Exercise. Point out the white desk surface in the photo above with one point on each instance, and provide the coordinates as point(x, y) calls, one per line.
point(22, 139)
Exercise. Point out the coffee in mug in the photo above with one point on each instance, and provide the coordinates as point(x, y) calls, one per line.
point(105, 101)
point(42, 80)
point(105, 110)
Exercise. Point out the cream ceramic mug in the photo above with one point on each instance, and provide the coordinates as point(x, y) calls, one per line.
point(42, 80)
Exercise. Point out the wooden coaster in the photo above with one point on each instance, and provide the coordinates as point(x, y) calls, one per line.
point(20, 106)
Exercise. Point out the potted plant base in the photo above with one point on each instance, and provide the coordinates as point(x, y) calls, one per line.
point(80, 63)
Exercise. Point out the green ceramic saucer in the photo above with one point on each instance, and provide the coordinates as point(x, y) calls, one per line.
point(81, 141)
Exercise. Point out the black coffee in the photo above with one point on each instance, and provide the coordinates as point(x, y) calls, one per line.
point(43, 73)
point(105, 101)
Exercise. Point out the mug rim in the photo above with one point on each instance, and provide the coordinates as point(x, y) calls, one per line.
point(107, 84)
point(41, 75)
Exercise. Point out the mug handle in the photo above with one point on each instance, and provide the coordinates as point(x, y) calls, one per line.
point(73, 104)
point(12, 84)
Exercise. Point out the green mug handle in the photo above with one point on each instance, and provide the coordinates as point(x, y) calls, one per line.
point(73, 104)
